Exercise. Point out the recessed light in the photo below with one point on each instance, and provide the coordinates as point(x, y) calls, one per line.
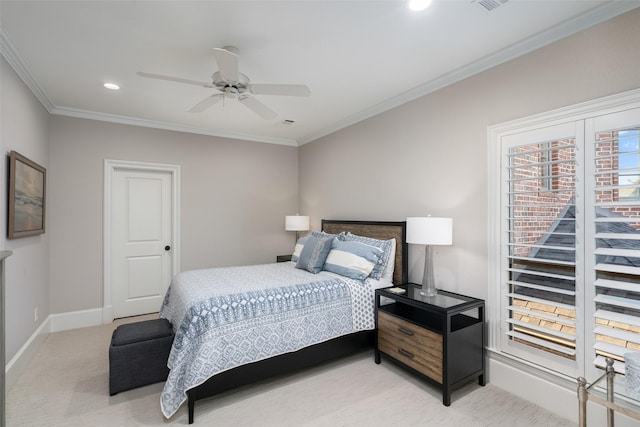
point(111, 86)
point(418, 5)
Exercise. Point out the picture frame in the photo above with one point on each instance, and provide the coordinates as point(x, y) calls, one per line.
point(27, 197)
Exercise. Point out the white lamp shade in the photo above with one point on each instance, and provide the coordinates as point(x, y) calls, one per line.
point(296, 223)
point(430, 230)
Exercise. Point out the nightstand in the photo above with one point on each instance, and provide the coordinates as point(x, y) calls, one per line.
point(442, 338)
point(283, 258)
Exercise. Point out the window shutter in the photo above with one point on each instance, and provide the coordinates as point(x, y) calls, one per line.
point(541, 244)
point(565, 212)
point(615, 219)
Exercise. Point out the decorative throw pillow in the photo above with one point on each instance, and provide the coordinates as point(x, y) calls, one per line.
point(324, 235)
point(313, 254)
point(298, 248)
point(387, 274)
point(385, 245)
point(352, 259)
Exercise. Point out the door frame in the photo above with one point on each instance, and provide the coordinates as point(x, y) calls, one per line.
point(110, 168)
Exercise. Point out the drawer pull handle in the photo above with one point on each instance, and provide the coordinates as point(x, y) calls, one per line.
point(405, 331)
point(405, 353)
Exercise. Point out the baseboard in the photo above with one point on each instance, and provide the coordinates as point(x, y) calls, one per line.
point(20, 361)
point(107, 314)
point(76, 319)
point(53, 323)
point(556, 394)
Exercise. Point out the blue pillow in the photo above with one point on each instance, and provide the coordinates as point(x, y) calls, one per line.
point(324, 235)
point(384, 245)
point(352, 259)
point(314, 253)
point(298, 248)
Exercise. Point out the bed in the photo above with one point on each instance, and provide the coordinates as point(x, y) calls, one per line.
point(239, 325)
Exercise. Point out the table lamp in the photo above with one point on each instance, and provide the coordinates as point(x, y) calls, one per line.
point(429, 231)
point(296, 223)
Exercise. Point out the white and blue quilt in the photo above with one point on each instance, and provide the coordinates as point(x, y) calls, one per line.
point(227, 317)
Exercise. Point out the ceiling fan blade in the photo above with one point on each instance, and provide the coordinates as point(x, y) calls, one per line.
point(227, 64)
point(174, 79)
point(206, 103)
point(257, 107)
point(286, 90)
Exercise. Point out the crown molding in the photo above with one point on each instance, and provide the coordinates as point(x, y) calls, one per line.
point(588, 19)
point(12, 57)
point(133, 121)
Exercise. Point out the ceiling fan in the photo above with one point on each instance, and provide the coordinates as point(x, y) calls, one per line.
point(231, 83)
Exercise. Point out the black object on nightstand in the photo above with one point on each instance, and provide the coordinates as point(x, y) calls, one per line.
point(283, 258)
point(442, 337)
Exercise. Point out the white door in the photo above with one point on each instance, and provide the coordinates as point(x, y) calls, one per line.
point(141, 246)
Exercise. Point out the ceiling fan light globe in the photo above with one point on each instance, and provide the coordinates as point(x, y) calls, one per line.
point(418, 5)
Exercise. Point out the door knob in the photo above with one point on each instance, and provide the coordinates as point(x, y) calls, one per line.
point(167, 248)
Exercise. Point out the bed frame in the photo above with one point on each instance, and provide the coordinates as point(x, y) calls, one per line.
point(318, 353)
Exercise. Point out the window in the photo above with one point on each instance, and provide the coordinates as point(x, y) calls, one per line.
point(566, 279)
point(628, 159)
point(614, 211)
point(548, 166)
point(540, 219)
point(541, 259)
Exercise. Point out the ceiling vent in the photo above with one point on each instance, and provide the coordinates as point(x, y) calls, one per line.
point(491, 4)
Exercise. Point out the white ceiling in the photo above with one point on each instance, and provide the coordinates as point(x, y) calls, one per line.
point(358, 57)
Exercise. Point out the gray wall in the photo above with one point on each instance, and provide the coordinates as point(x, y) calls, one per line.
point(24, 128)
point(234, 197)
point(430, 156)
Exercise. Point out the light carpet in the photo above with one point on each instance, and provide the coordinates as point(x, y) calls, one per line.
point(67, 384)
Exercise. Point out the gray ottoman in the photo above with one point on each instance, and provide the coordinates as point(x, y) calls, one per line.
point(138, 354)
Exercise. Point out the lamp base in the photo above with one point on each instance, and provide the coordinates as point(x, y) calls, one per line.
point(428, 292)
point(428, 281)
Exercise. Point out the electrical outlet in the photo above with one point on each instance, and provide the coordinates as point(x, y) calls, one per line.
point(35, 314)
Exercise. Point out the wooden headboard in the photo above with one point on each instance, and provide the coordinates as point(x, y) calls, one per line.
point(382, 230)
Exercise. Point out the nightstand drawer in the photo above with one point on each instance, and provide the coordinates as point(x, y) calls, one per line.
point(412, 345)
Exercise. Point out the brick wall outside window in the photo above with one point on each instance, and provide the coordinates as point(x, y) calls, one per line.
point(534, 219)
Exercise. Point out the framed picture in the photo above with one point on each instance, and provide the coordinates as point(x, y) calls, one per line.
point(27, 182)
